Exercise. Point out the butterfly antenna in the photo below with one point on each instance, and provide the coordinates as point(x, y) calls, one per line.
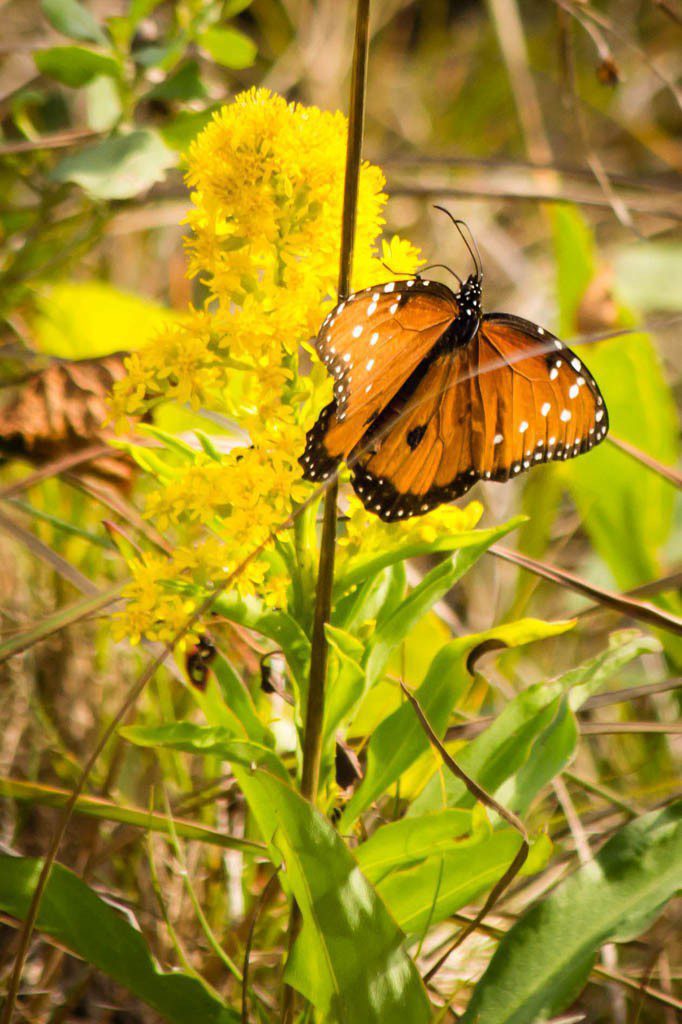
point(396, 273)
point(434, 266)
point(472, 247)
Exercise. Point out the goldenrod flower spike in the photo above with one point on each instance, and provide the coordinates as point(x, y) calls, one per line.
point(266, 181)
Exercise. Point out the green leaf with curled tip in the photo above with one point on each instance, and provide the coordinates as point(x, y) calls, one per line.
point(400, 740)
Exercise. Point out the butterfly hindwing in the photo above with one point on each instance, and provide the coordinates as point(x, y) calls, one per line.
point(512, 398)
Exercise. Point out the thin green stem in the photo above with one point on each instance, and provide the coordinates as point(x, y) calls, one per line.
point(314, 716)
point(312, 736)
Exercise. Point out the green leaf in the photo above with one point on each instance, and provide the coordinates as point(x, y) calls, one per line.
point(397, 548)
point(102, 104)
point(97, 807)
point(422, 598)
point(277, 625)
point(373, 598)
point(630, 520)
point(517, 733)
point(78, 919)
point(400, 740)
point(441, 885)
point(140, 9)
point(408, 841)
point(349, 960)
point(72, 19)
point(185, 83)
point(346, 679)
point(232, 7)
point(216, 741)
point(543, 961)
point(118, 167)
point(74, 65)
point(549, 752)
point(229, 47)
point(84, 319)
point(238, 699)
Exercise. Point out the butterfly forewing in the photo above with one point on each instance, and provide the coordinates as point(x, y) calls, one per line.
point(512, 398)
point(373, 341)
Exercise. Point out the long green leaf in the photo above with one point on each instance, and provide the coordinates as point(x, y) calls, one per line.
point(544, 960)
point(80, 920)
point(422, 598)
point(396, 548)
point(350, 960)
point(96, 807)
point(217, 741)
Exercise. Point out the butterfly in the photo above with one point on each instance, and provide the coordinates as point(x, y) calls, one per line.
point(432, 395)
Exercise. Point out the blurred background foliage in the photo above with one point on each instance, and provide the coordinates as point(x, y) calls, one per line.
point(553, 128)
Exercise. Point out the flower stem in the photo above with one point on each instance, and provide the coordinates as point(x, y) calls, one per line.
point(312, 735)
point(314, 718)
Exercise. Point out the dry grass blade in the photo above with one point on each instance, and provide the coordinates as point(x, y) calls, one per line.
point(262, 900)
point(667, 472)
point(623, 728)
point(59, 620)
point(650, 207)
point(50, 557)
point(131, 698)
point(483, 797)
point(54, 468)
point(618, 602)
point(599, 700)
point(96, 807)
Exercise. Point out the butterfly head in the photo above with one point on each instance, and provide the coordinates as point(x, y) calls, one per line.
point(469, 299)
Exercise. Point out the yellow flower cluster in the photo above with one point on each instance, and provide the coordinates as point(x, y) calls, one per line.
point(266, 180)
point(366, 534)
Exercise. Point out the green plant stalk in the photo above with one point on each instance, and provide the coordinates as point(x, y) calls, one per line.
point(312, 735)
point(313, 730)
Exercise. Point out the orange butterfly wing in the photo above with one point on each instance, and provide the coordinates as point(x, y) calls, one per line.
point(512, 398)
point(371, 343)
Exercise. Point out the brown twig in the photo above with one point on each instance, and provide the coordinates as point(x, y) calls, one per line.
point(483, 797)
point(618, 602)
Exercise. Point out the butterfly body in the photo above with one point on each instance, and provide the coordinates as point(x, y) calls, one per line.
point(431, 395)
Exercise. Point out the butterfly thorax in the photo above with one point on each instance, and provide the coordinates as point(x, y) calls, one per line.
point(464, 327)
